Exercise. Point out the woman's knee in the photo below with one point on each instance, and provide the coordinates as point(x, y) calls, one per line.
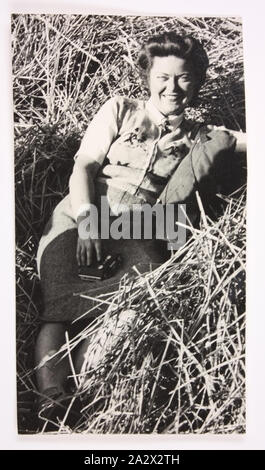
point(96, 346)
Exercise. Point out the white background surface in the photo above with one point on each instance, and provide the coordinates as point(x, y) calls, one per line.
point(254, 45)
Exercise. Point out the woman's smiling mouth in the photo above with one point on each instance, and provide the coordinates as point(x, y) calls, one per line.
point(172, 97)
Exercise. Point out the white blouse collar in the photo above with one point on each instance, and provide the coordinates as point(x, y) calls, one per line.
point(160, 119)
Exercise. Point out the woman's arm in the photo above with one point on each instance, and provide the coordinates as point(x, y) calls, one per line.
point(100, 134)
point(241, 140)
point(82, 195)
point(81, 186)
point(94, 147)
point(241, 137)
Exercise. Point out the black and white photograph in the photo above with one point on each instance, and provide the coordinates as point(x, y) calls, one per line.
point(130, 162)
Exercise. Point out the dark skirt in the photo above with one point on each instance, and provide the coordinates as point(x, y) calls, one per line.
point(62, 289)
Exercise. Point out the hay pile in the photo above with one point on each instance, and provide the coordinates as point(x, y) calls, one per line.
point(183, 368)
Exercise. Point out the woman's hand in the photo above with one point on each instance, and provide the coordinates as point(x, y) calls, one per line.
point(86, 250)
point(88, 243)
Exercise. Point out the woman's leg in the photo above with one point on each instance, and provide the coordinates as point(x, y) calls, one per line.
point(95, 348)
point(52, 372)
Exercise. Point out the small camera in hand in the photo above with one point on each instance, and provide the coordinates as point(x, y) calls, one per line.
point(101, 270)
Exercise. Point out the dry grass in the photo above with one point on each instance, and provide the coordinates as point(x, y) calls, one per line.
point(182, 369)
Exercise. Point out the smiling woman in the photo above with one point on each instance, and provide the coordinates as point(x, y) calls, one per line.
point(175, 68)
point(134, 152)
point(172, 83)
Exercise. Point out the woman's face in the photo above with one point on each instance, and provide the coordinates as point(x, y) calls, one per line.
point(171, 84)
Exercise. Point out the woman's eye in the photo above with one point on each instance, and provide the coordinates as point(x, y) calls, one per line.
point(185, 78)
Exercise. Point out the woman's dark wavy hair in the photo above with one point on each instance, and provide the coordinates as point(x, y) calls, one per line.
point(170, 43)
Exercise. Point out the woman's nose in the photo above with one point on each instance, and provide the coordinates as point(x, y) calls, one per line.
point(173, 85)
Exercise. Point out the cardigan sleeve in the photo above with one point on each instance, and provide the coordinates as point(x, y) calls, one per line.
point(241, 140)
point(101, 132)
